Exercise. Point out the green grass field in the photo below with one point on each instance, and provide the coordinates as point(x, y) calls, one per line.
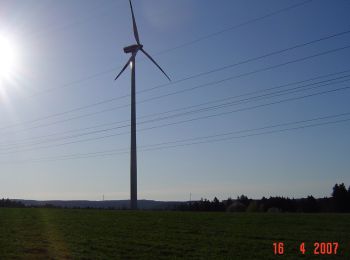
point(103, 234)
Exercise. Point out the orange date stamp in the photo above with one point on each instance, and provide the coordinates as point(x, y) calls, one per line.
point(318, 248)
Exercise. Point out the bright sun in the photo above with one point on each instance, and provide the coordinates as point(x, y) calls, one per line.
point(7, 58)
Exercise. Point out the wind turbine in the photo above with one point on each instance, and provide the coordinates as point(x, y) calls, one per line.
point(133, 49)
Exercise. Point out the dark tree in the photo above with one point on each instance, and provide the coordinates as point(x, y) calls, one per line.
point(244, 200)
point(281, 203)
point(217, 205)
point(308, 205)
point(341, 198)
point(7, 203)
point(228, 202)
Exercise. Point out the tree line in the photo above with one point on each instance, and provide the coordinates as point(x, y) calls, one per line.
point(7, 203)
point(338, 202)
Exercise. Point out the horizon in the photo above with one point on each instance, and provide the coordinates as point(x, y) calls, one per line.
point(141, 199)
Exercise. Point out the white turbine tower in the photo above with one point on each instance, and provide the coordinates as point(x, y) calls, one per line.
point(133, 49)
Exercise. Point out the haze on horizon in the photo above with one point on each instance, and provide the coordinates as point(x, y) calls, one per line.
point(258, 104)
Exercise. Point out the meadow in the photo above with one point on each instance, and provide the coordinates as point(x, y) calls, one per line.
point(41, 233)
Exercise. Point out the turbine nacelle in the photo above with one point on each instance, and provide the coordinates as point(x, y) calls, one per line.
point(133, 48)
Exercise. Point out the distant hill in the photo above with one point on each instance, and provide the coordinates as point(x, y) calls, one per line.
point(118, 204)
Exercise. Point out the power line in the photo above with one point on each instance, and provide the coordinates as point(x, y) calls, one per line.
point(278, 93)
point(229, 133)
point(190, 120)
point(250, 135)
point(259, 91)
point(40, 33)
point(210, 35)
point(110, 70)
point(206, 103)
point(180, 143)
point(262, 105)
point(254, 129)
point(249, 60)
point(176, 92)
point(247, 73)
point(224, 105)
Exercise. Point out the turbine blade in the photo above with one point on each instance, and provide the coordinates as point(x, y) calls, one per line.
point(125, 66)
point(136, 33)
point(155, 63)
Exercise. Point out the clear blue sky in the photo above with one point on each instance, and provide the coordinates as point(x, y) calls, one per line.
point(53, 141)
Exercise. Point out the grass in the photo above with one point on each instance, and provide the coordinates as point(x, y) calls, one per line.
point(104, 234)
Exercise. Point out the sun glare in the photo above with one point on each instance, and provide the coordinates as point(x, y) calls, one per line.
point(7, 58)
